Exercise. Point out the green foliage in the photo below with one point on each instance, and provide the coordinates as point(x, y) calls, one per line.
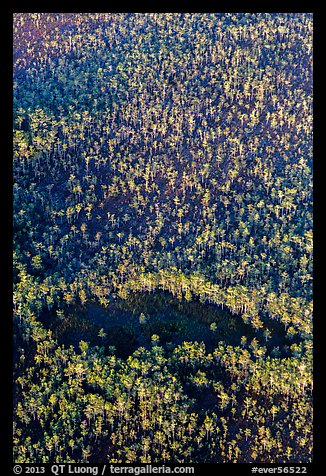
point(163, 152)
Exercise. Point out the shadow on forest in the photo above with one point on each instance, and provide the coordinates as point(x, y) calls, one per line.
point(129, 324)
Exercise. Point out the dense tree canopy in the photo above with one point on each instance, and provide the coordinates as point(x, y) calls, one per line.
point(166, 152)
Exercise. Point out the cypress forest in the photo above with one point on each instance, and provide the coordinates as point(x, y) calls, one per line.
point(163, 237)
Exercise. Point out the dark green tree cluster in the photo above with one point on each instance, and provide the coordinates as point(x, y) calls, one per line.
point(163, 152)
point(234, 405)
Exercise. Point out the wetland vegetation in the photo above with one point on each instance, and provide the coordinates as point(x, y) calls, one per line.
point(163, 239)
point(126, 324)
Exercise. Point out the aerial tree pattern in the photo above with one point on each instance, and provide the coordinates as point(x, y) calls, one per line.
point(163, 152)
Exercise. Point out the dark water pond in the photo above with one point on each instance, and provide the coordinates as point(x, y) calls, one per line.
point(128, 324)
